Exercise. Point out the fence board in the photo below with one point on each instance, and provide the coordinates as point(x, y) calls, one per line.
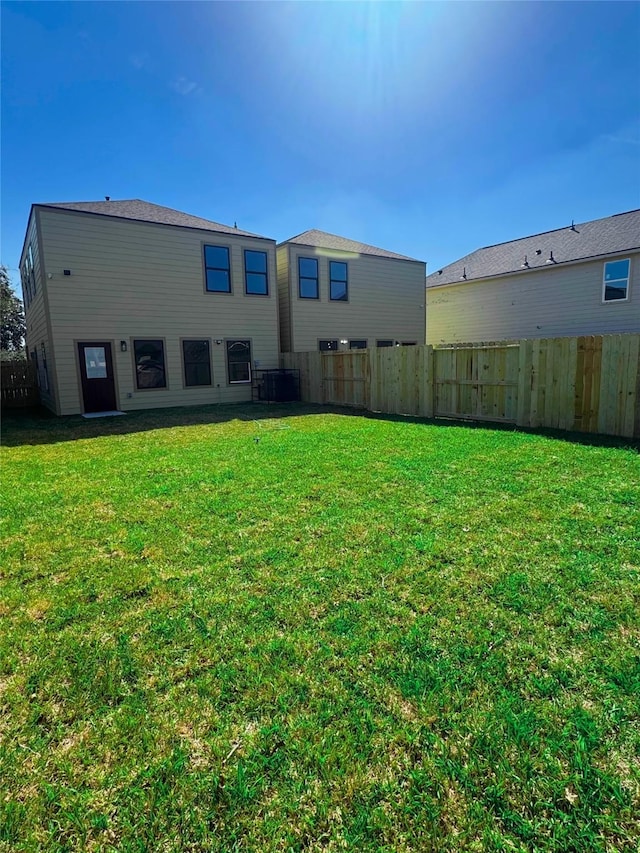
point(632, 386)
point(588, 383)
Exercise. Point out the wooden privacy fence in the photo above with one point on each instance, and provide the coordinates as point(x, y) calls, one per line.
point(18, 384)
point(588, 384)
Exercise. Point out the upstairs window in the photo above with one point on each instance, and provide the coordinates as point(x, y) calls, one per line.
point(615, 284)
point(239, 362)
point(32, 271)
point(197, 363)
point(149, 363)
point(338, 287)
point(26, 284)
point(308, 278)
point(28, 277)
point(255, 273)
point(217, 269)
point(328, 346)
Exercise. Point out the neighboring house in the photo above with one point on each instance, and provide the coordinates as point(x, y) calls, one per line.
point(130, 305)
point(336, 293)
point(580, 280)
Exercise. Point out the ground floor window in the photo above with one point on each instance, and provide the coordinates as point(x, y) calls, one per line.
point(239, 361)
point(149, 363)
point(360, 343)
point(386, 342)
point(409, 343)
point(196, 357)
point(327, 346)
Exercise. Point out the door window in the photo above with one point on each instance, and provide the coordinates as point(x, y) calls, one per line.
point(95, 362)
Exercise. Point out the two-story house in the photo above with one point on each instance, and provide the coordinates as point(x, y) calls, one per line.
point(337, 294)
point(583, 279)
point(130, 305)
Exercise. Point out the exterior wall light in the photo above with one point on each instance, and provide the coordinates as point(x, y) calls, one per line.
point(123, 346)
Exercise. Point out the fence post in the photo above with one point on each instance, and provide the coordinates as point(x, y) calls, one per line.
point(524, 383)
point(429, 381)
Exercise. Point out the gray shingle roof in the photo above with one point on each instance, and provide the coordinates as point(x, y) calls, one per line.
point(608, 236)
point(144, 211)
point(324, 240)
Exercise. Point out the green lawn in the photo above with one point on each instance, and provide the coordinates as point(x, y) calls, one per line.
point(317, 631)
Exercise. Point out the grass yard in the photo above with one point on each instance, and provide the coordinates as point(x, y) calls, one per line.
point(318, 632)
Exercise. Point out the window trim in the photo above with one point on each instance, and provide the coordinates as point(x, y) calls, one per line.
point(132, 347)
point(604, 282)
point(337, 343)
point(358, 340)
point(265, 273)
point(205, 267)
point(308, 278)
point(346, 281)
point(226, 361)
point(184, 372)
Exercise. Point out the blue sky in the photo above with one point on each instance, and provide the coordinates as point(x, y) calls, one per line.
point(426, 128)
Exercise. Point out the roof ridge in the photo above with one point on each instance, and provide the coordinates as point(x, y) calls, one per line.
point(295, 236)
point(553, 230)
point(137, 209)
point(358, 245)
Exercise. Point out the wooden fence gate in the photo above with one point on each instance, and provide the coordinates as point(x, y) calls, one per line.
point(480, 383)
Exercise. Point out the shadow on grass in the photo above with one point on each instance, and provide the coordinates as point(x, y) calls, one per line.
point(583, 438)
point(39, 426)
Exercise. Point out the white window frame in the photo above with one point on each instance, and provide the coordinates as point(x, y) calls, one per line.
point(604, 281)
point(232, 341)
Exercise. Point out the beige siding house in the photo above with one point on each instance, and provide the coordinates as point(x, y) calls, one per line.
point(580, 280)
point(139, 306)
point(335, 293)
